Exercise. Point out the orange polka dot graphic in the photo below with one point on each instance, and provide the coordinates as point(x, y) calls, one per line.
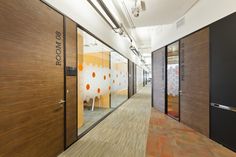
point(93, 74)
point(87, 86)
point(80, 67)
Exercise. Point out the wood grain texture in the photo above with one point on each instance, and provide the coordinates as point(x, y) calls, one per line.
point(71, 82)
point(70, 36)
point(194, 71)
point(121, 134)
point(32, 122)
point(71, 110)
point(158, 79)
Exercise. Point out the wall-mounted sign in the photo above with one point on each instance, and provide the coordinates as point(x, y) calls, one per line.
point(58, 48)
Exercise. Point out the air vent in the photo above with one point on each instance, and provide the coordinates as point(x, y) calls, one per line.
point(180, 23)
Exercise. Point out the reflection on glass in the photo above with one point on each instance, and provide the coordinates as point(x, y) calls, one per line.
point(119, 79)
point(102, 81)
point(173, 80)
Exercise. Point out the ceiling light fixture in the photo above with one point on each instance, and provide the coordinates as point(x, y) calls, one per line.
point(135, 51)
point(101, 7)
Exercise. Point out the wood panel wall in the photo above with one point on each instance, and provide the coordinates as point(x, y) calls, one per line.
point(159, 79)
point(194, 81)
point(31, 80)
point(71, 81)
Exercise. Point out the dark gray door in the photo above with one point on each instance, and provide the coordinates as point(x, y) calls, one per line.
point(223, 81)
point(159, 79)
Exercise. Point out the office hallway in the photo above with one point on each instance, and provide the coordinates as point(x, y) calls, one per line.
point(121, 134)
point(117, 78)
point(136, 130)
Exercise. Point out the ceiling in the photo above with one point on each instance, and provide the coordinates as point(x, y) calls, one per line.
point(159, 12)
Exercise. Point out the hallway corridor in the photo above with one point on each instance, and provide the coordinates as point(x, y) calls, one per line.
point(136, 130)
point(121, 134)
point(117, 78)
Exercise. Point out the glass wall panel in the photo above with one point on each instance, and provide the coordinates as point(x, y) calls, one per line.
point(94, 80)
point(119, 79)
point(173, 80)
point(102, 81)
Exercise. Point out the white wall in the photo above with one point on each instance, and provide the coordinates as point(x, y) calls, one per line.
point(85, 15)
point(202, 14)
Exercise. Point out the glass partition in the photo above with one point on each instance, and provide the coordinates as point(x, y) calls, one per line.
point(94, 80)
point(119, 79)
point(173, 80)
point(102, 81)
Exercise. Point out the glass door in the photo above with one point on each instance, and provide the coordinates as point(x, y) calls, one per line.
point(173, 80)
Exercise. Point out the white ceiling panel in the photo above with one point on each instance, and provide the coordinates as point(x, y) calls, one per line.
point(159, 12)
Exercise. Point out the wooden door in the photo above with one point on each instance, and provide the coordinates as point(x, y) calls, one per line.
point(159, 79)
point(31, 80)
point(194, 81)
point(71, 81)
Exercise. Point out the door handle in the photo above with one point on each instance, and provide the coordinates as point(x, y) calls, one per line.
point(61, 102)
point(180, 92)
point(229, 108)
